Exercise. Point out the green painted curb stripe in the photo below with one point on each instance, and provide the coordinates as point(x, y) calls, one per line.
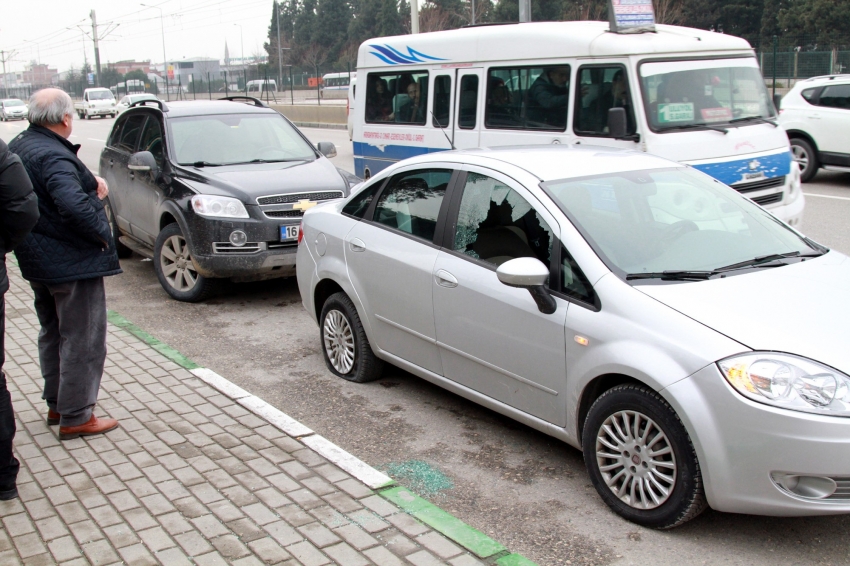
point(160, 347)
point(515, 560)
point(473, 540)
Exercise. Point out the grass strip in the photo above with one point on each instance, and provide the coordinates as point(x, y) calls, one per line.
point(164, 349)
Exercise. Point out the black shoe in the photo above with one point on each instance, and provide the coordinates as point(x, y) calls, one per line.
point(7, 494)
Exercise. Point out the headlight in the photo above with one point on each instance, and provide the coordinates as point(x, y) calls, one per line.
point(789, 382)
point(218, 207)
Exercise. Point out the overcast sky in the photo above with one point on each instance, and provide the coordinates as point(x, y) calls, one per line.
point(193, 28)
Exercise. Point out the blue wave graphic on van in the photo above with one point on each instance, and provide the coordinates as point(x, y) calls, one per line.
point(393, 56)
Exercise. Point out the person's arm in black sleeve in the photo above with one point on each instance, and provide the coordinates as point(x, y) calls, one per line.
point(18, 203)
point(75, 205)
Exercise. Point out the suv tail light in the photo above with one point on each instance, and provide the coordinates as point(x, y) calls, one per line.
point(300, 232)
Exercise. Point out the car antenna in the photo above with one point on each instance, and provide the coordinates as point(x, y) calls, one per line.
point(442, 129)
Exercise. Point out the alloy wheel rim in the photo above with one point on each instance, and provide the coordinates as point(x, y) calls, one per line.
point(339, 341)
point(177, 266)
point(801, 156)
point(636, 459)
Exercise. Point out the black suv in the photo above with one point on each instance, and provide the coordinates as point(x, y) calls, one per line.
point(213, 189)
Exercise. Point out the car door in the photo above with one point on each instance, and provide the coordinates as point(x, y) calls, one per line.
point(390, 257)
point(467, 128)
point(492, 338)
point(833, 121)
point(600, 87)
point(121, 144)
point(147, 189)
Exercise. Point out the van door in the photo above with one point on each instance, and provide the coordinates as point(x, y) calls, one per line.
point(467, 124)
point(600, 86)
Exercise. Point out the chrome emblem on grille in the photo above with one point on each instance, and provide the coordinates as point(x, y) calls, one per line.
point(754, 164)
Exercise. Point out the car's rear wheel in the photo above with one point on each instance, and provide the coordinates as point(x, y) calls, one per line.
point(175, 269)
point(805, 156)
point(345, 346)
point(641, 459)
point(123, 251)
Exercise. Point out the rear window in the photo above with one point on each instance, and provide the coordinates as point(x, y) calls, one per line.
point(808, 94)
point(528, 98)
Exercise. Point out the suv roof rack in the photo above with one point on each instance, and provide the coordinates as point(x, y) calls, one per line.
point(256, 101)
point(830, 77)
point(158, 102)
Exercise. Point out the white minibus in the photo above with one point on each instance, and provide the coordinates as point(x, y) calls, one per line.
point(335, 85)
point(262, 86)
point(694, 96)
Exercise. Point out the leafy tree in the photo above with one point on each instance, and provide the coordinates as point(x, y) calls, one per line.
point(334, 16)
point(364, 22)
point(826, 21)
point(541, 10)
point(389, 20)
point(305, 23)
point(109, 76)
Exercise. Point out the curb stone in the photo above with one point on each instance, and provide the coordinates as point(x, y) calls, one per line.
point(441, 521)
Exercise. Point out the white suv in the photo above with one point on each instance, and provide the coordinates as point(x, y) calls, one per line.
point(816, 116)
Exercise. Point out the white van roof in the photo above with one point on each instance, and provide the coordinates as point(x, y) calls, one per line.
point(537, 40)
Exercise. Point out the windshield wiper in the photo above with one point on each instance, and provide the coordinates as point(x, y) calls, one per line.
point(672, 275)
point(265, 161)
point(205, 164)
point(692, 126)
point(763, 261)
point(758, 119)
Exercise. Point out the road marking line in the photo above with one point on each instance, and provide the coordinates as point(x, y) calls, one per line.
point(95, 139)
point(826, 196)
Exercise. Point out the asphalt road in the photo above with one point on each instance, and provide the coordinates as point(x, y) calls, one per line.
point(526, 489)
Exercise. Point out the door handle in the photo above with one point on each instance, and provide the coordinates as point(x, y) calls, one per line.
point(445, 279)
point(357, 245)
point(111, 162)
point(814, 116)
point(132, 175)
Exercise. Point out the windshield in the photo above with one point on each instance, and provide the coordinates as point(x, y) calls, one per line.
point(670, 219)
point(100, 95)
point(13, 103)
point(237, 138)
point(698, 93)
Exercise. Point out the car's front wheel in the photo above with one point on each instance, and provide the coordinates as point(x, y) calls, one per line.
point(345, 346)
point(176, 270)
point(805, 156)
point(641, 459)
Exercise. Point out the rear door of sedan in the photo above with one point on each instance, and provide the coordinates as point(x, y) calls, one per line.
point(390, 257)
point(492, 338)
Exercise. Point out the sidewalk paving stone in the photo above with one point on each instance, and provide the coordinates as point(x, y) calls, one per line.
point(192, 476)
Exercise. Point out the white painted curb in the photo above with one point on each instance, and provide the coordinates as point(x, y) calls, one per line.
point(319, 444)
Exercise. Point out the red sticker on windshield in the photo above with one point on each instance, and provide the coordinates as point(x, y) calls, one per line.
point(721, 114)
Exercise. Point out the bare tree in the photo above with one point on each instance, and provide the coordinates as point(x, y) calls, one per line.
point(314, 55)
point(433, 18)
point(586, 10)
point(669, 11)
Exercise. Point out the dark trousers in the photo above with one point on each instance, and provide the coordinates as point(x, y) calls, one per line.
point(9, 465)
point(71, 345)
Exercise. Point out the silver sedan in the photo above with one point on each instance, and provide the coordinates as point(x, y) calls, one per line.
point(690, 344)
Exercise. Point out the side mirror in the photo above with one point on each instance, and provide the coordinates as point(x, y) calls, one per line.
point(143, 161)
point(328, 149)
point(777, 100)
point(529, 273)
point(617, 123)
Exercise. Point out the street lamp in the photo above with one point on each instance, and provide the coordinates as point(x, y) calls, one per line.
point(164, 58)
point(242, 47)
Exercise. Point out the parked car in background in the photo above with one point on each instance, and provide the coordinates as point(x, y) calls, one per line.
point(213, 190)
point(96, 102)
point(131, 99)
point(12, 109)
point(629, 305)
point(816, 115)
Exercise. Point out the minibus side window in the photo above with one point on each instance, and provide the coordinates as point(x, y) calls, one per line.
point(527, 98)
point(442, 100)
point(468, 106)
point(599, 89)
point(397, 97)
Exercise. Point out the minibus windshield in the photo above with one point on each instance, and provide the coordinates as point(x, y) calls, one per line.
point(707, 92)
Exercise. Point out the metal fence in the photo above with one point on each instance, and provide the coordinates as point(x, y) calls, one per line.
point(787, 59)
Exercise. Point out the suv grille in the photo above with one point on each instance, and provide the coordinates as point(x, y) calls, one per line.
point(759, 185)
point(228, 248)
point(284, 213)
point(286, 199)
point(768, 199)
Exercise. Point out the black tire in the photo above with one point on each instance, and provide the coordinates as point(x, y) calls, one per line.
point(123, 251)
point(365, 365)
point(685, 498)
point(806, 157)
point(182, 282)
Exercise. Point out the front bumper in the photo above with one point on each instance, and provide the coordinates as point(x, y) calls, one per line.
point(740, 443)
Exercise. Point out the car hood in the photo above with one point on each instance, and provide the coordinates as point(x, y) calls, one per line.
point(800, 308)
point(255, 180)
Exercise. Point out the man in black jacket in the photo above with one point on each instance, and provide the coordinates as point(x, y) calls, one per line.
point(65, 259)
point(18, 214)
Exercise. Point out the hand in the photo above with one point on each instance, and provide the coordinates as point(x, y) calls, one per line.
point(102, 188)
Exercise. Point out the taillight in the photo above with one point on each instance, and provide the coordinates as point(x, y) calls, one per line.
point(300, 231)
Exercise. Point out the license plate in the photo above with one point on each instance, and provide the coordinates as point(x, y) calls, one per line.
point(288, 233)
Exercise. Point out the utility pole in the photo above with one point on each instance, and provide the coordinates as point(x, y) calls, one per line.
point(473, 11)
point(414, 16)
point(6, 56)
point(524, 10)
point(96, 49)
point(279, 65)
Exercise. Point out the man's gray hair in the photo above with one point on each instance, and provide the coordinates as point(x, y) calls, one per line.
point(49, 106)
